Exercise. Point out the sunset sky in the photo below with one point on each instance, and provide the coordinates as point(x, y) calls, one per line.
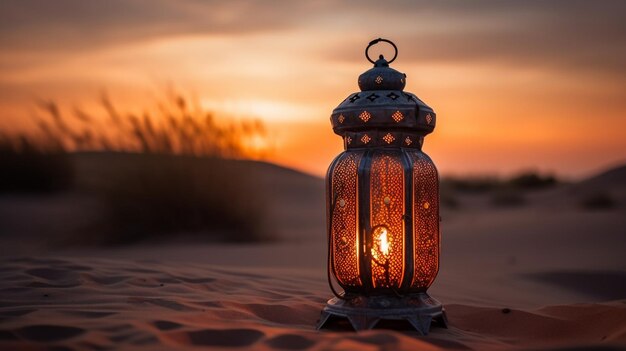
point(517, 85)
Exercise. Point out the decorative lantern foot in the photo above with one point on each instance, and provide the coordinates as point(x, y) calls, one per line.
point(420, 310)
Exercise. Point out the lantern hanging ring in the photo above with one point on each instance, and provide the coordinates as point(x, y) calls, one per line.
point(376, 41)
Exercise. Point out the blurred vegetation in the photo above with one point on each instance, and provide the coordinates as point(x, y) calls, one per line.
point(172, 127)
point(523, 181)
point(598, 201)
point(507, 192)
point(532, 181)
point(173, 177)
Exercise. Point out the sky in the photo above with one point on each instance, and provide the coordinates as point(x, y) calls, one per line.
point(517, 85)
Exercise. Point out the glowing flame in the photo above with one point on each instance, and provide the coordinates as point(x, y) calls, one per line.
point(381, 246)
point(384, 244)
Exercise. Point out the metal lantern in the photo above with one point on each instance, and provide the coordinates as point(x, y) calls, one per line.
point(383, 205)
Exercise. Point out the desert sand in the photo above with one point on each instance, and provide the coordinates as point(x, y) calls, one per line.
point(99, 304)
point(546, 275)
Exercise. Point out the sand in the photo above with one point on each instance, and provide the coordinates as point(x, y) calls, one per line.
point(544, 276)
point(94, 304)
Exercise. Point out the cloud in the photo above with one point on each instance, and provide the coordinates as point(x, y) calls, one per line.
point(560, 34)
point(567, 35)
point(79, 24)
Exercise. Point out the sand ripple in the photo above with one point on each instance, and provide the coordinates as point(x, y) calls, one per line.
point(49, 303)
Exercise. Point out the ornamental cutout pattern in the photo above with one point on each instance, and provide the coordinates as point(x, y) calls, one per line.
point(365, 116)
point(397, 116)
point(388, 138)
point(429, 118)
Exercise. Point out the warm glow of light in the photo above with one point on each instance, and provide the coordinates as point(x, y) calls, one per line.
point(496, 113)
point(257, 145)
point(381, 243)
point(384, 244)
point(267, 110)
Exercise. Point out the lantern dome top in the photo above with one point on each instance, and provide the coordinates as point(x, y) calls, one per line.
point(382, 113)
point(382, 77)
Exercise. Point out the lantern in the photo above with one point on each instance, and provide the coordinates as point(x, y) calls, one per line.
point(383, 206)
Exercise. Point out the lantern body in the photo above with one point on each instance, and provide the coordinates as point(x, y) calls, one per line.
point(384, 220)
point(383, 205)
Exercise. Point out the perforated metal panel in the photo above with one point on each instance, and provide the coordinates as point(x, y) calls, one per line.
point(387, 208)
point(425, 220)
point(344, 230)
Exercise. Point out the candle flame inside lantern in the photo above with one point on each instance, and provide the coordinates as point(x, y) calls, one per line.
point(384, 244)
point(381, 243)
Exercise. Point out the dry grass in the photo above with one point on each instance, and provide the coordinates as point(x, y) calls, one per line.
point(173, 127)
point(178, 180)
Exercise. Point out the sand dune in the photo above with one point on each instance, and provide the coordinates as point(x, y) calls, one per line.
point(51, 303)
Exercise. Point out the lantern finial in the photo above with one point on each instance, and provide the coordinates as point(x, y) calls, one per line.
point(382, 77)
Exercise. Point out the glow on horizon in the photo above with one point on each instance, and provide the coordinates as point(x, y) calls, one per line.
point(270, 111)
point(496, 114)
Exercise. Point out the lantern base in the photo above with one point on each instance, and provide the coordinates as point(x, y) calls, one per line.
point(420, 310)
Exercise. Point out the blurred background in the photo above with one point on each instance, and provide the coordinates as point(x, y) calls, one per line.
point(126, 122)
